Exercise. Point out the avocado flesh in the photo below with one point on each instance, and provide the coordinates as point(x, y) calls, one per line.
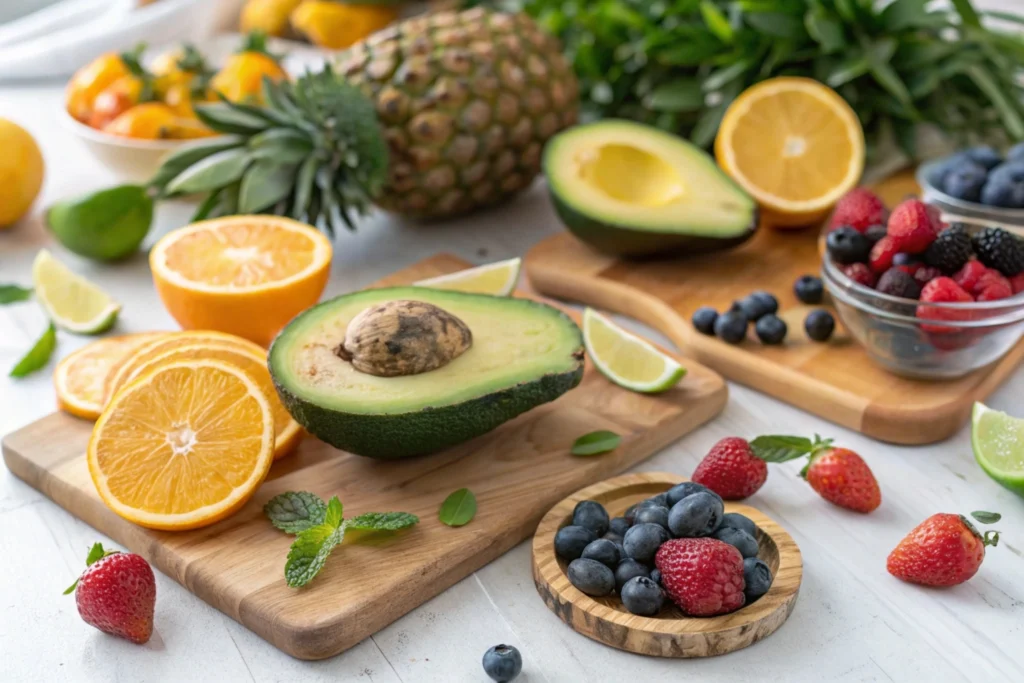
point(629, 189)
point(523, 354)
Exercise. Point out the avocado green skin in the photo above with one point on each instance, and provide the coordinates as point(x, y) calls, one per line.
point(390, 437)
point(620, 240)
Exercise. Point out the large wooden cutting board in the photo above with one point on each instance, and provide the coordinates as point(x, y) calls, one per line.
point(517, 473)
point(836, 381)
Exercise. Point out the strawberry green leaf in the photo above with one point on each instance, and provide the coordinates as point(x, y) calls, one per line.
point(986, 517)
point(776, 448)
point(382, 521)
point(596, 443)
point(295, 511)
point(38, 356)
point(96, 553)
point(10, 294)
point(309, 553)
point(458, 509)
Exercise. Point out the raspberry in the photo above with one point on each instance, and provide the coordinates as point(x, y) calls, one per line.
point(999, 249)
point(882, 254)
point(860, 273)
point(991, 286)
point(950, 250)
point(942, 290)
point(895, 282)
point(968, 276)
point(912, 226)
point(860, 209)
point(703, 576)
point(1017, 282)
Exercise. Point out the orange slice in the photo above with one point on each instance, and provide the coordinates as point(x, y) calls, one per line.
point(287, 432)
point(183, 446)
point(795, 145)
point(80, 377)
point(127, 368)
point(246, 275)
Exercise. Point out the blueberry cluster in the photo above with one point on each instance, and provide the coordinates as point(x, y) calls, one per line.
point(984, 176)
point(607, 555)
point(761, 308)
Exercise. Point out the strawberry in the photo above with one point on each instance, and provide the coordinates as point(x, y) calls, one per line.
point(858, 272)
point(731, 470)
point(912, 226)
point(860, 208)
point(839, 475)
point(882, 254)
point(968, 276)
point(116, 594)
point(703, 576)
point(1017, 282)
point(943, 550)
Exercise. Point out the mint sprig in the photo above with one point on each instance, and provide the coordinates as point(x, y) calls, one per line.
point(10, 294)
point(320, 527)
point(596, 443)
point(38, 356)
point(776, 448)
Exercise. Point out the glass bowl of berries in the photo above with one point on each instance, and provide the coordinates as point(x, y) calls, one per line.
point(925, 298)
point(978, 184)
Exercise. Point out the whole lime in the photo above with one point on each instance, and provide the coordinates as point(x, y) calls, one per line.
point(105, 225)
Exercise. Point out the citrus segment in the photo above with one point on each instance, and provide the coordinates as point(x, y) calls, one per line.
point(80, 377)
point(184, 446)
point(71, 301)
point(496, 279)
point(998, 443)
point(626, 359)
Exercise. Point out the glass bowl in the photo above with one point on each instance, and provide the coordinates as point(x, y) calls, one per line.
point(961, 209)
point(925, 340)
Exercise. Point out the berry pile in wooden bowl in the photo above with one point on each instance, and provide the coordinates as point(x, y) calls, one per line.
point(654, 565)
point(895, 275)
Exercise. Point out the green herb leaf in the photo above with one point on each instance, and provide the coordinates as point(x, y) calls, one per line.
point(906, 14)
point(295, 511)
point(781, 448)
point(382, 521)
point(458, 509)
point(676, 96)
point(333, 514)
point(309, 553)
point(96, 553)
point(825, 30)
point(988, 85)
point(776, 24)
point(39, 355)
point(986, 517)
point(716, 21)
point(967, 12)
point(596, 443)
point(10, 294)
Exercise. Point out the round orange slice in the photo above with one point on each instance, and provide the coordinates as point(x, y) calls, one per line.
point(79, 378)
point(246, 275)
point(183, 446)
point(795, 145)
point(287, 432)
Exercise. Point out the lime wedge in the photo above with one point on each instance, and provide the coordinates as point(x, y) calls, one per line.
point(497, 279)
point(71, 301)
point(626, 359)
point(998, 442)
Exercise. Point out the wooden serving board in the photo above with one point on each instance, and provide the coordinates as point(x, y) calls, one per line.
point(517, 473)
point(670, 633)
point(836, 380)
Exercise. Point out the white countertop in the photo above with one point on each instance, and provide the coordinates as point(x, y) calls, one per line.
point(852, 621)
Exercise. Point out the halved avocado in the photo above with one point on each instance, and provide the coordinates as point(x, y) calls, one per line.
point(523, 353)
point(633, 190)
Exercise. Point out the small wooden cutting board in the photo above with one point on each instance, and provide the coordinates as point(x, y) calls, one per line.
point(836, 380)
point(517, 473)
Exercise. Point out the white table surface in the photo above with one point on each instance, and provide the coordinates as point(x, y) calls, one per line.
point(852, 621)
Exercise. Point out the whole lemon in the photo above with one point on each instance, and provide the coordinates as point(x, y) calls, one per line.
point(21, 172)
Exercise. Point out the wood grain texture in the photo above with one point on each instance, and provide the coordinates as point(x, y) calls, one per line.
point(836, 381)
point(517, 472)
point(671, 633)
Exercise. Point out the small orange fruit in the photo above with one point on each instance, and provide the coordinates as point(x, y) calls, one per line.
point(89, 81)
point(244, 275)
point(116, 99)
point(149, 121)
point(184, 446)
point(337, 25)
point(80, 377)
point(241, 77)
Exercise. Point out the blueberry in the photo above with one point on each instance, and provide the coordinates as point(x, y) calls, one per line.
point(591, 577)
point(660, 499)
point(613, 537)
point(757, 577)
point(604, 551)
point(656, 576)
point(731, 327)
point(819, 325)
point(1016, 153)
point(591, 515)
point(845, 245)
point(503, 663)
point(771, 329)
point(757, 305)
point(985, 156)
point(704, 320)
point(947, 165)
point(619, 525)
point(643, 540)
point(695, 515)
point(653, 514)
point(875, 233)
point(738, 539)
point(808, 289)
point(735, 520)
point(687, 488)
point(965, 181)
point(642, 596)
point(630, 514)
point(621, 548)
point(1005, 186)
point(628, 569)
point(905, 259)
point(571, 540)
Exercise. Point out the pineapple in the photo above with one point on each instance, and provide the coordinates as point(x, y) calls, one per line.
point(436, 116)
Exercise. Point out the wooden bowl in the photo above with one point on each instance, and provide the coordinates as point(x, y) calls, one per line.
point(671, 633)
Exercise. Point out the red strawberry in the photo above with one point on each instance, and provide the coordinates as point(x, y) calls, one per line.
point(117, 594)
point(942, 290)
point(858, 272)
point(882, 254)
point(860, 209)
point(968, 276)
point(912, 227)
point(731, 470)
point(943, 550)
point(704, 576)
point(1017, 282)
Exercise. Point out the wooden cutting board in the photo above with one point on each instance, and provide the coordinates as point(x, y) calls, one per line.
point(836, 381)
point(517, 473)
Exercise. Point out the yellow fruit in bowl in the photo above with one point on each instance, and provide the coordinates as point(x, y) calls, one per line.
point(269, 16)
point(337, 25)
point(89, 81)
point(241, 77)
point(178, 68)
point(116, 99)
point(21, 172)
point(148, 121)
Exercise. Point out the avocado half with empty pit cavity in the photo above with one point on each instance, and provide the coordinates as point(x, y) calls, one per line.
point(633, 190)
point(513, 355)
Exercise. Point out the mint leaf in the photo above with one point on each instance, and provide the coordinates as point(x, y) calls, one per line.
point(382, 521)
point(458, 509)
point(10, 294)
point(986, 517)
point(781, 448)
point(295, 511)
point(596, 443)
point(309, 553)
point(333, 516)
point(39, 355)
point(96, 553)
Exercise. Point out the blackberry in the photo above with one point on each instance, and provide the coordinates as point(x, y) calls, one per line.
point(950, 250)
point(846, 246)
point(999, 249)
point(895, 282)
